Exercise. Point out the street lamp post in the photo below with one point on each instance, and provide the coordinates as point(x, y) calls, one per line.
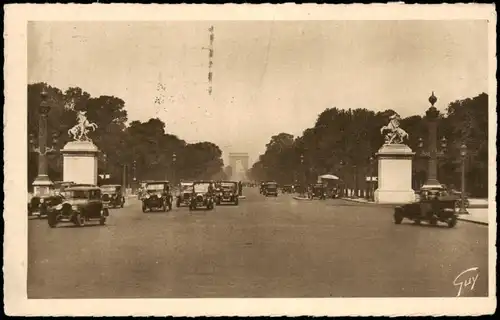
point(302, 188)
point(42, 183)
point(174, 159)
point(371, 192)
point(355, 175)
point(134, 166)
point(463, 155)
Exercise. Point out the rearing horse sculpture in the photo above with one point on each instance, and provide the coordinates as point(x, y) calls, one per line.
point(396, 135)
point(82, 128)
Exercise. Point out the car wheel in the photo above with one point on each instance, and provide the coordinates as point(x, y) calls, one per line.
point(398, 217)
point(452, 222)
point(236, 202)
point(80, 220)
point(433, 221)
point(123, 202)
point(144, 208)
point(52, 220)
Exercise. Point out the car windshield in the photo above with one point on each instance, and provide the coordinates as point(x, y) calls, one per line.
point(108, 189)
point(154, 187)
point(201, 187)
point(228, 185)
point(76, 194)
point(187, 188)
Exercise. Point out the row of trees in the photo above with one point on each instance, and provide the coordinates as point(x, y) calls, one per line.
point(341, 142)
point(142, 147)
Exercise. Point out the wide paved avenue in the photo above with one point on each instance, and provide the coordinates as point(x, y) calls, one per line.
point(265, 247)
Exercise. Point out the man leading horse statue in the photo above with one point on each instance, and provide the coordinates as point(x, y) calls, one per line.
point(82, 128)
point(393, 133)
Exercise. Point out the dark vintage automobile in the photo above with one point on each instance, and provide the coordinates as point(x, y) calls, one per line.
point(112, 195)
point(227, 193)
point(184, 196)
point(81, 204)
point(262, 187)
point(39, 205)
point(202, 195)
point(433, 208)
point(270, 189)
point(317, 191)
point(157, 196)
point(287, 188)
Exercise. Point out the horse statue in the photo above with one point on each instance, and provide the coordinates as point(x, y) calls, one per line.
point(82, 128)
point(395, 134)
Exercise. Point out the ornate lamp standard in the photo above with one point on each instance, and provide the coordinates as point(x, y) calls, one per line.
point(371, 182)
point(463, 155)
point(432, 153)
point(174, 160)
point(42, 183)
point(303, 187)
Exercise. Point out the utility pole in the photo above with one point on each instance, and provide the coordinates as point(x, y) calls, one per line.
point(210, 58)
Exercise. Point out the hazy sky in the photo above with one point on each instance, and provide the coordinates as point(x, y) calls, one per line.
point(268, 77)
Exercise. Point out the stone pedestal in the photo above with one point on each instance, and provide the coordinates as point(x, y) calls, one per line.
point(80, 162)
point(394, 174)
point(41, 185)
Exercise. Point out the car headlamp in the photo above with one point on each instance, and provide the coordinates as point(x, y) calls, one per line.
point(74, 208)
point(41, 200)
point(147, 196)
point(59, 207)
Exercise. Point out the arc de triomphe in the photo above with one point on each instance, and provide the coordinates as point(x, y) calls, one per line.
point(241, 157)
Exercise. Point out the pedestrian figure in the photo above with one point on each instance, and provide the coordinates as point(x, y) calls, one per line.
point(240, 189)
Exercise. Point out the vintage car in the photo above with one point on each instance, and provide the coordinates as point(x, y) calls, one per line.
point(81, 204)
point(112, 195)
point(39, 205)
point(287, 188)
point(270, 189)
point(318, 191)
point(157, 196)
point(262, 187)
point(184, 196)
point(202, 195)
point(433, 207)
point(227, 193)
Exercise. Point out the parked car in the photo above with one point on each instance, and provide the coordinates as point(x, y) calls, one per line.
point(38, 205)
point(271, 189)
point(433, 207)
point(112, 195)
point(184, 196)
point(228, 193)
point(202, 195)
point(157, 196)
point(318, 191)
point(81, 204)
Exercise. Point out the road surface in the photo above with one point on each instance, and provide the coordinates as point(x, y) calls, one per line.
point(265, 247)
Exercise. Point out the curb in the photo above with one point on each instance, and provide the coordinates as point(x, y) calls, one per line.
point(300, 198)
point(473, 221)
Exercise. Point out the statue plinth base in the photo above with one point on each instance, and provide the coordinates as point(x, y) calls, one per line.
point(80, 162)
point(41, 185)
point(394, 174)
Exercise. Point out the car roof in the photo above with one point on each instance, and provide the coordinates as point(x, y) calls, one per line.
point(229, 181)
point(157, 181)
point(83, 188)
point(111, 185)
point(202, 181)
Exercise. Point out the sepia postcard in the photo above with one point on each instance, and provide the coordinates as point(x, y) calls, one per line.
point(250, 160)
